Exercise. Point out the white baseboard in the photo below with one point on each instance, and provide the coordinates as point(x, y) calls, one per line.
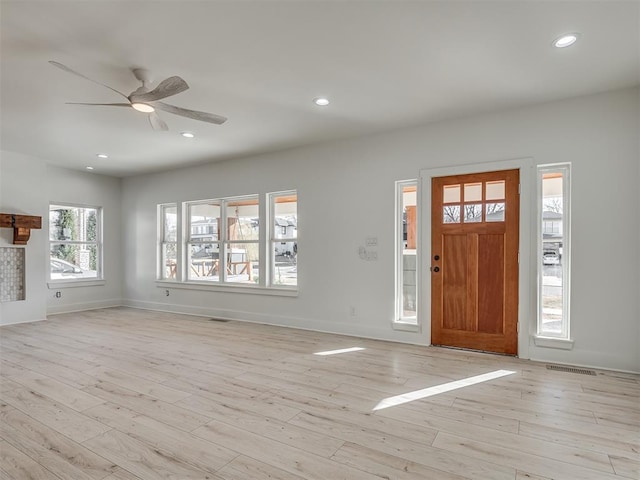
point(337, 328)
point(22, 321)
point(79, 307)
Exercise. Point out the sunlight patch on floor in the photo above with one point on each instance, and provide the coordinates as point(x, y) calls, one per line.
point(342, 350)
point(437, 389)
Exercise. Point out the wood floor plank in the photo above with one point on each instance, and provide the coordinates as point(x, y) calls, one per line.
point(184, 446)
point(587, 439)
point(20, 466)
point(126, 394)
point(4, 475)
point(142, 460)
point(626, 467)
point(58, 391)
point(244, 468)
point(54, 415)
point(398, 446)
point(121, 474)
point(529, 476)
point(279, 455)
point(518, 459)
point(389, 466)
point(265, 425)
point(168, 413)
point(137, 384)
point(7, 385)
point(251, 403)
point(58, 453)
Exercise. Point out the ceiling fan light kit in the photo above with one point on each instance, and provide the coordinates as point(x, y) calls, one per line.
point(148, 101)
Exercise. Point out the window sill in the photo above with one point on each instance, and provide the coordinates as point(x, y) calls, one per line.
point(405, 327)
point(551, 342)
point(57, 284)
point(246, 289)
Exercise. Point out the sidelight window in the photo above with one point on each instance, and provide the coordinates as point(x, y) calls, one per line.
point(553, 251)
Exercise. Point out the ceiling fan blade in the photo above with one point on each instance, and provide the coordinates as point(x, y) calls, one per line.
point(157, 123)
point(194, 114)
point(73, 72)
point(166, 88)
point(100, 104)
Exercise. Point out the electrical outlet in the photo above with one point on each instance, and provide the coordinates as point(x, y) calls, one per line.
point(371, 241)
point(58, 294)
point(166, 292)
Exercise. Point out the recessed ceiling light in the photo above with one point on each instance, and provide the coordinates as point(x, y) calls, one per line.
point(102, 155)
point(143, 107)
point(321, 101)
point(565, 40)
point(89, 168)
point(187, 134)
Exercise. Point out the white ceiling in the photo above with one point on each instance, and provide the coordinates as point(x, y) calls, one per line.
point(383, 64)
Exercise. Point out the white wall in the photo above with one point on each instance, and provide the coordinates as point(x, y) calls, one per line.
point(27, 186)
point(72, 187)
point(23, 191)
point(346, 193)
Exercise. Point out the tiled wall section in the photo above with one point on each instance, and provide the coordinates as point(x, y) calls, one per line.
point(11, 274)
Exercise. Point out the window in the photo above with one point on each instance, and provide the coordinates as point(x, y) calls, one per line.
point(224, 242)
point(406, 242)
point(75, 243)
point(168, 222)
point(229, 254)
point(283, 271)
point(553, 251)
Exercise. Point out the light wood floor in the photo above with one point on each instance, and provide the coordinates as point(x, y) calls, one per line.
point(124, 394)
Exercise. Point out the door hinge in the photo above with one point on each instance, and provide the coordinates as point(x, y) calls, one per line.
point(518, 189)
point(518, 257)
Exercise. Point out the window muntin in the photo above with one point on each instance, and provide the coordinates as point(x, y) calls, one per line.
point(168, 218)
point(474, 202)
point(283, 239)
point(75, 242)
point(553, 251)
point(406, 249)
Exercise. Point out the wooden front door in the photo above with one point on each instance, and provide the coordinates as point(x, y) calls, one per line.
point(474, 261)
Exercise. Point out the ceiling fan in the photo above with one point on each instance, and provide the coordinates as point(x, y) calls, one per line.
point(148, 101)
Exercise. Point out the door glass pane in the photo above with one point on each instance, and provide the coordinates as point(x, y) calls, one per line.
point(473, 192)
point(473, 213)
point(494, 212)
point(451, 214)
point(495, 190)
point(451, 194)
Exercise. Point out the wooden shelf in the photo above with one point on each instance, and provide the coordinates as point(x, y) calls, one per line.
point(21, 224)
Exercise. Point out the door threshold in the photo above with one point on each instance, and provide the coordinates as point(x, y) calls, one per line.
point(450, 347)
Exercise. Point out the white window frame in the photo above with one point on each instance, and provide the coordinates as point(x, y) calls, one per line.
point(271, 234)
point(162, 241)
point(400, 322)
point(99, 278)
point(222, 241)
point(549, 339)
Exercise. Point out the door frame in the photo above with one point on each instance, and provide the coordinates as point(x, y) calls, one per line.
point(526, 271)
